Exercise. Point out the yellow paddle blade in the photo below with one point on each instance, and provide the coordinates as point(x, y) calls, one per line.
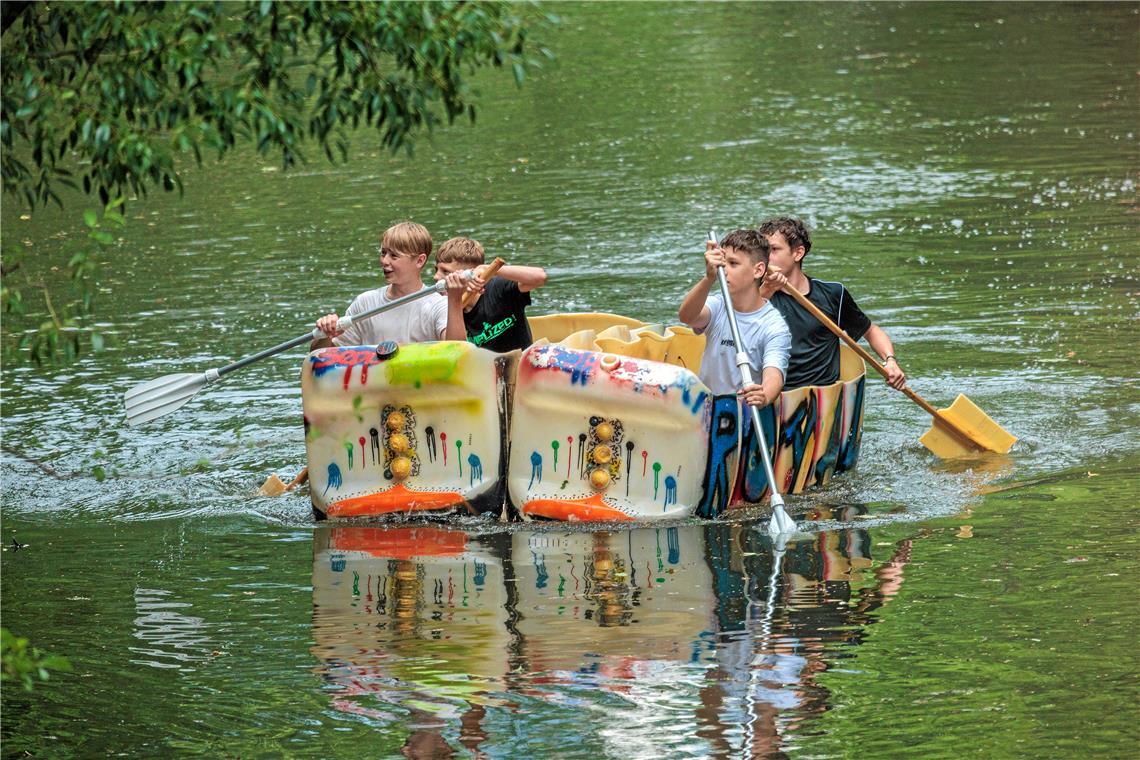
point(970, 421)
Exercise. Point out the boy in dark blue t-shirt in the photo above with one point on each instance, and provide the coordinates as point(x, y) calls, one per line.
point(815, 349)
point(496, 319)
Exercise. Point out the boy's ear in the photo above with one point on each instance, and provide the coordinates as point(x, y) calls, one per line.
point(798, 253)
point(759, 270)
point(421, 260)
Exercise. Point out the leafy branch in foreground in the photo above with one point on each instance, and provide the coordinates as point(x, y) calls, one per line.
point(25, 663)
point(105, 96)
point(61, 335)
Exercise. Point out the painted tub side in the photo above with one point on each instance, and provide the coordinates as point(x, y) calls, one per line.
point(596, 436)
point(818, 433)
point(422, 430)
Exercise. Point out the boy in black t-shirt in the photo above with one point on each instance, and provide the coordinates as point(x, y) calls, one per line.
point(496, 319)
point(815, 349)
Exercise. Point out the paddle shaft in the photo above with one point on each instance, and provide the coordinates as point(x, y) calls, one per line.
point(343, 324)
point(746, 379)
point(803, 301)
point(490, 272)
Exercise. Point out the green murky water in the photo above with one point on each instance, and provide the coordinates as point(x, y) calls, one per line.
point(970, 172)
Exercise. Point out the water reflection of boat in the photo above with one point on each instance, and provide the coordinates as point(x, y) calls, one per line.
point(603, 418)
point(658, 633)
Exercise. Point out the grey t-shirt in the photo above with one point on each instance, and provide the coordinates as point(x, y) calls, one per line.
point(415, 322)
point(767, 341)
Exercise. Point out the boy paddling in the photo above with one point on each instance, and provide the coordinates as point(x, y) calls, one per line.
point(495, 318)
point(767, 341)
point(404, 251)
point(815, 349)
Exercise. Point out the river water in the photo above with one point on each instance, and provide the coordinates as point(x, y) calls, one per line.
point(970, 173)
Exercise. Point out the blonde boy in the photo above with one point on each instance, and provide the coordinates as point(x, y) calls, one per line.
point(404, 250)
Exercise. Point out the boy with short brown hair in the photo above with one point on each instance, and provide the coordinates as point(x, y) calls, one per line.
point(744, 256)
point(496, 318)
point(815, 349)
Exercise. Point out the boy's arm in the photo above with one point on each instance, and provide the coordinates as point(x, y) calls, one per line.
point(771, 383)
point(877, 338)
point(528, 278)
point(458, 283)
point(694, 311)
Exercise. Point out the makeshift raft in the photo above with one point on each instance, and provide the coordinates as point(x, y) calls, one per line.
point(602, 418)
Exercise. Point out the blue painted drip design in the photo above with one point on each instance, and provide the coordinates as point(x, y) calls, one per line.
point(334, 478)
point(535, 469)
point(674, 539)
point(670, 491)
point(476, 468)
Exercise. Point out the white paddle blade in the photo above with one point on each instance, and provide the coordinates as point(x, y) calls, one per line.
point(156, 398)
point(781, 522)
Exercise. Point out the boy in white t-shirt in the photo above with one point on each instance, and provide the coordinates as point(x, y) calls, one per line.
point(767, 340)
point(404, 251)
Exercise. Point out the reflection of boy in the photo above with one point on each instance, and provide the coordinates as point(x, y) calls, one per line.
point(744, 255)
point(496, 320)
point(815, 349)
point(404, 250)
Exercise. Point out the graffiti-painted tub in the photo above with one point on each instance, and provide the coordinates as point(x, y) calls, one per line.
point(679, 457)
point(600, 436)
point(418, 428)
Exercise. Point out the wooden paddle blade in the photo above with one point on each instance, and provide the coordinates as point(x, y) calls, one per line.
point(971, 421)
point(159, 397)
point(271, 487)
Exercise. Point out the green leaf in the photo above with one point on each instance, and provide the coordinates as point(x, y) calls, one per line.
point(90, 218)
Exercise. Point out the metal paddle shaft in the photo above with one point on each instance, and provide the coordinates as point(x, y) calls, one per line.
point(160, 397)
point(781, 521)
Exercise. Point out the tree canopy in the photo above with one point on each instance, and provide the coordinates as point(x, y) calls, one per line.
point(108, 96)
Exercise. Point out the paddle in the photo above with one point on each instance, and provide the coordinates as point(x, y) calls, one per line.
point(960, 430)
point(160, 397)
point(781, 521)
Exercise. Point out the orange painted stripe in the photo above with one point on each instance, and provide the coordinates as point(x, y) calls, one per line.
point(592, 508)
point(400, 543)
point(396, 499)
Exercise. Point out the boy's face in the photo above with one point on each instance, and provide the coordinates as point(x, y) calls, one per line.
point(400, 267)
point(741, 272)
point(444, 268)
point(780, 254)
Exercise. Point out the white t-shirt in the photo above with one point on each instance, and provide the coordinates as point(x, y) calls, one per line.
point(767, 341)
point(415, 322)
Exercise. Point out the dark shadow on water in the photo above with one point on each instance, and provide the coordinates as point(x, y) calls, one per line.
point(654, 638)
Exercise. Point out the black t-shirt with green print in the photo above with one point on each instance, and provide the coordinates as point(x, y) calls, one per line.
point(498, 320)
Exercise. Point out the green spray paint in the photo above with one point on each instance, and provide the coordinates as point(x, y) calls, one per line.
point(458, 458)
point(348, 449)
point(656, 478)
point(554, 445)
point(418, 364)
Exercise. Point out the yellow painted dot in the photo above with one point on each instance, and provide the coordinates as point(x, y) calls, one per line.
point(604, 431)
point(396, 420)
point(399, 443)
point(599, 479)
point(601, 454)
point(401, 468)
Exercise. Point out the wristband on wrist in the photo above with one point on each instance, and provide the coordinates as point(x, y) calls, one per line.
point(889, 357)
